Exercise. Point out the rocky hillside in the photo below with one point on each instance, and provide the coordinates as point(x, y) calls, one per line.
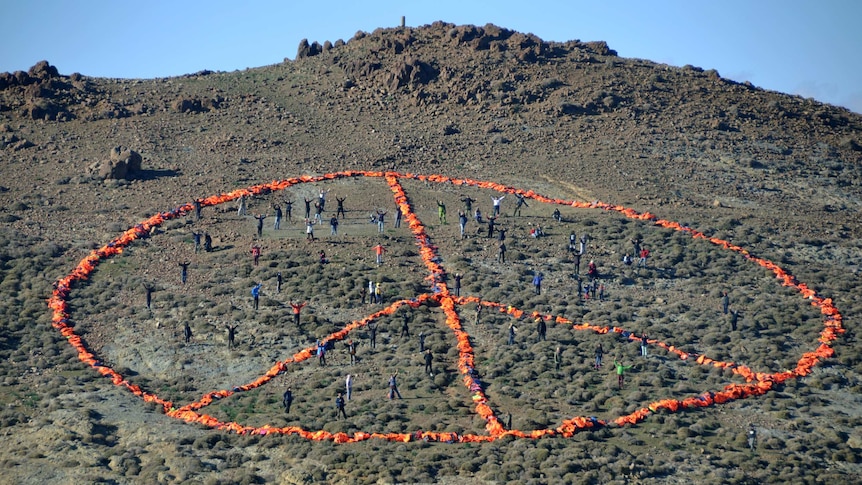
point(82, 159)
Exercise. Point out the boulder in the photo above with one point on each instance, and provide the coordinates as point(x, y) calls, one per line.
point(122, 163)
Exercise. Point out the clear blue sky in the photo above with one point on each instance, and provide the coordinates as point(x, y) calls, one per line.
point(811, 48)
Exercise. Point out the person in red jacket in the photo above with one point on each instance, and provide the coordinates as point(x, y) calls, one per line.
point(297, 308)
point(379, 250)
point(643, 257)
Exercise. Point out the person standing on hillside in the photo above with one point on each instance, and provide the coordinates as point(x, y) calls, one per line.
point(393, 386)
point(255, 293)
point(297, 311)
point(379, 250)
point(501, 234)
point(468, 204)
point(196, 236)
point(231, 335)
point(378, 293)
point(372, 333)
point(208, 243)
point(307, 207)
point(522, 201)
point(644, 344)
point(462, 223)
point(278, 280)
point(260, 218)
point(441, 211)
point(477, 216)
point(491, 221)
point(197, 205)
point(398, 216)
point(340, 210)
point(277, 224)
point(309, 230)
point(288, 208)
point(501, 255)
point(429, 358)
point(541, 329)
point(537, 283)
point(321, 353)
point(351, 350)
point(148, 291)
point(380, 225)
point(318, 213)
point(583, 244)
point(255, 253)
point(339, 406)
point(241, 208)
point(333, 226)
point(599, 353)
point(621, 369)
point(496, 201)
point(558, 357)
point(734, 318)
point(405, 325)
point(512, 331)
point(478, 318)
point(287, 399)
point(321, 198)
point(421, 341)
point(371, 298)
point(187, 332)
point(348, 386)
point(184, 271)
point(643, 258)
point(458, 277)
point(725, 302)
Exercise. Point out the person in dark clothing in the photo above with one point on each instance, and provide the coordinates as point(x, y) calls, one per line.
point(501, 234)
point(372, 329)
point(725, 302)
point(260, 218)
point(196, 236)
point(577, 260)
point(558, 358)
point(599, 353)
point(307, 208)
point(187, 332)
point(288, 207)
point(277, 224)
point(197, 206)
point(428, 359)
point(501, 255)
point(231, 335)
point(287, 399)
point(339, 406)
point(148, 289)
point(208, 243)
point(458, 277)
point(522, 201)
point(278, 280)
point(734, 318)
point(468, 204)
point(351, 349)
point(405, 328)
point(491, 226)
point(541, 328)
point(184, 271)
point(340, 210)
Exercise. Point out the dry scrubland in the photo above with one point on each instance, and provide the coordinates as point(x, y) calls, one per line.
point(775, 174)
